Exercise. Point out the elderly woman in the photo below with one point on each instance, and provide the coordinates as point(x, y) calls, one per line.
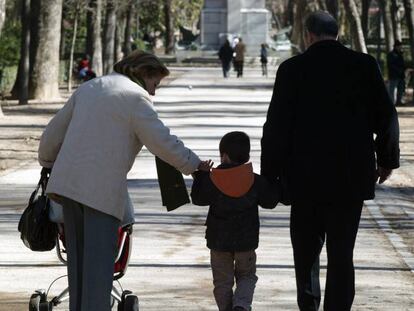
point(91, 144)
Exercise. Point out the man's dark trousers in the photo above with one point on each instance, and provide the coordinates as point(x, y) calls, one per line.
point(398, 84)
point(310, 224)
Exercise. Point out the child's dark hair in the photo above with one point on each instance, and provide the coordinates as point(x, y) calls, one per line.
point(237, 146)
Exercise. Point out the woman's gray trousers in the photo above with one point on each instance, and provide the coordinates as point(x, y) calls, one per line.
point(91, 243)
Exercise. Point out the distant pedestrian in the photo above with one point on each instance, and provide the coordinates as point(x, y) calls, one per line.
point(233, 46)
point(85, 72)
point(263, 59)
point(396, 73)
point(83, 67)
point(226, 55)
point(240, 50)
point(233, 192)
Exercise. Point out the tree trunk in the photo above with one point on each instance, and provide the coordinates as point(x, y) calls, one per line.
point(2, 19)
point(342, 23)
point(46, 68)
point(72, 47)
point(128, 28)
point(2, 13)
point(396, 19)
point(322, 5)
point(109, 37)
point(62, 46)
point(351, 10)
point(386, 19)
point(169, 27)
point(333, 8)
point(298, 26)
point(90, 15)
point(28, 46)
point(408, 6)
point(379, 24)
point(289, 15)
point(137, 23)
point(119, 36)
point(365, 17)
point(34, 39)
point(302, 9)
point(93, 39)
point(24, 63)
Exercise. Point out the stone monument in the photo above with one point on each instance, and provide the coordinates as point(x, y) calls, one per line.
point(248, 19)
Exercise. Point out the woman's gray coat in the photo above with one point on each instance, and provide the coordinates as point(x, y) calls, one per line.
point(93, 140)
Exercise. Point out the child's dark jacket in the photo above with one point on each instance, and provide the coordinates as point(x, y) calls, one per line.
point(233, 193)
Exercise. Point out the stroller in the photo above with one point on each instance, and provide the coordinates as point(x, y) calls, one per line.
point(125, 299)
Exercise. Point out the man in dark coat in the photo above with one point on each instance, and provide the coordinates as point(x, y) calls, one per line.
point(396, 72)
point(318, 141)
point(226, 55)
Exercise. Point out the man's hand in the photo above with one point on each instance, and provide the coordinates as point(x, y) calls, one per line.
point(383, 174)
point(205, 166)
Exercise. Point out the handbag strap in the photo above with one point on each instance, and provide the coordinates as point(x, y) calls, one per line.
point(44, 178)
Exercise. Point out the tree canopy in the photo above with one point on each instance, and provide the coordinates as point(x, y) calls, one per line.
point(108, 29)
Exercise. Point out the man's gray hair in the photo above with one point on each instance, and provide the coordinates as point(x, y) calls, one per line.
point(322, 23)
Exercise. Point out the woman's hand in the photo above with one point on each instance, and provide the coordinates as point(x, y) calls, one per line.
point(205, 166)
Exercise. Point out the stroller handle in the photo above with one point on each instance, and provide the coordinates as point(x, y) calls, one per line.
point(60, 247)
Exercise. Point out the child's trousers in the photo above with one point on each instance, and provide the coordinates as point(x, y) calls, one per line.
point(230, 266)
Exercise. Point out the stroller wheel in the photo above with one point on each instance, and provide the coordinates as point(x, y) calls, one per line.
point(131, 303)
point(45, 306)
point(37, 297)
point(34, 302)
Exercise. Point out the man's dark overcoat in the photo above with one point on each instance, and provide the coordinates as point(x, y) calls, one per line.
point(396, 65)
point(318, 139)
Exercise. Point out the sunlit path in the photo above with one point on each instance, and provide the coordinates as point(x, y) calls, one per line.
point(169, 267)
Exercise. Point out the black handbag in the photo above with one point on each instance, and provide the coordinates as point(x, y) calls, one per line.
point(36, 230)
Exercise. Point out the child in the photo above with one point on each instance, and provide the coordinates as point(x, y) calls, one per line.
point(233, 192)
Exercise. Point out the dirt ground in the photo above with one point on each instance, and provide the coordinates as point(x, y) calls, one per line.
point(176, 274)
